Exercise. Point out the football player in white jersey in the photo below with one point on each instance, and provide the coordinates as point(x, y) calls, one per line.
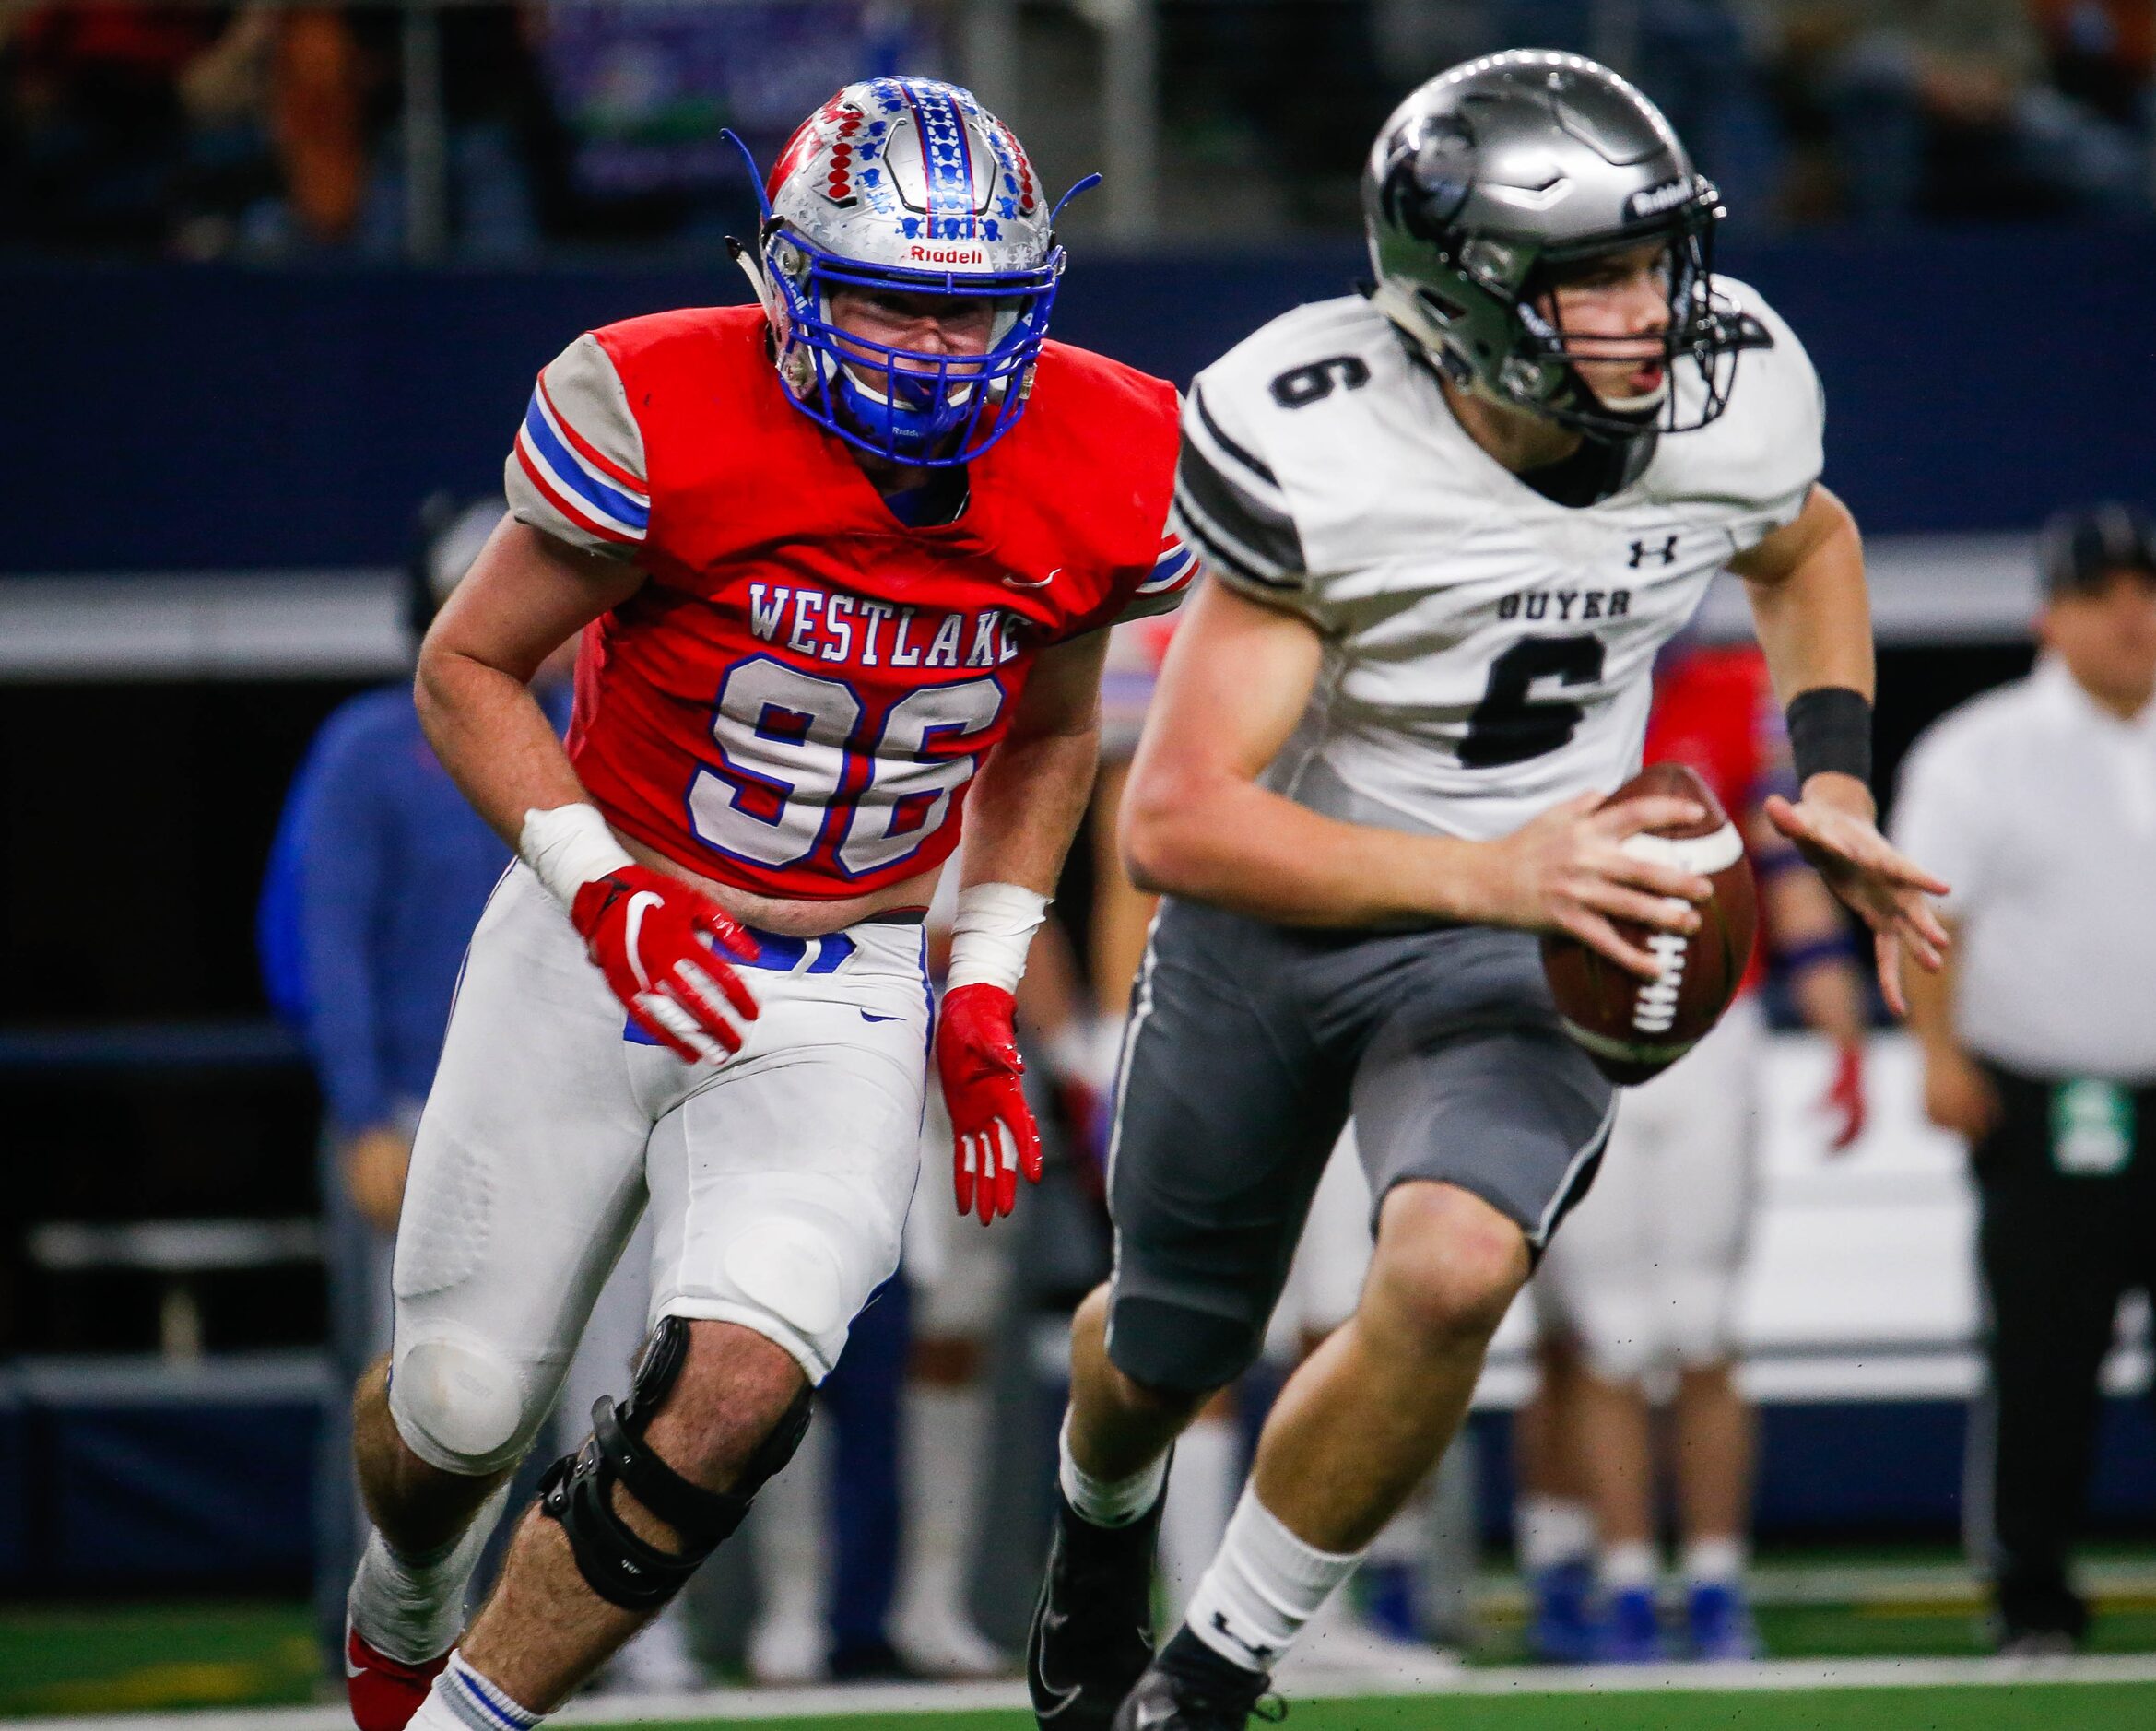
point(1446, 524)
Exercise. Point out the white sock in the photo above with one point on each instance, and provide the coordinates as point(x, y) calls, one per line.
point(1107, 1501)
point(462, 1700)
point(1714, 1562)
point(1550, 1531)
point(1202, 1477)
point(1262, 1588)
point(945, 1426)
point(412, 1607)
point(1627, 1565)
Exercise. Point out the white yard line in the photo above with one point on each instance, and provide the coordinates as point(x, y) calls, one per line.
point(746, 1705)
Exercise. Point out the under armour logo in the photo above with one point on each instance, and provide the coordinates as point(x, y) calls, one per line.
point(1641, 550)
point(1262, 1653)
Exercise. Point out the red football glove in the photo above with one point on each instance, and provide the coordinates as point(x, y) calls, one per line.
point(1844, 1097)
point(993, 1135)
point(648, 933)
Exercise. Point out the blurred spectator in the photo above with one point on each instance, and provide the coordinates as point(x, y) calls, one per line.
point(1638, 1293)
point(128, 124)
point(2037, 803)
point(375, 881)
point(643, 90)
point(318, 122)
point(1939, 107)
point(263, 128)
point(1693, 59)
point(1292, 88)
point(501, 173)
point(2102, 53)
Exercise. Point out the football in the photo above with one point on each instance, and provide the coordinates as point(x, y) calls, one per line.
point(1633, 1028)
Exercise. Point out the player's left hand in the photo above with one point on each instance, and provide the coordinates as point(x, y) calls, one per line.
point(1845, 1101)
point(1832, 828)
point(993, 1135)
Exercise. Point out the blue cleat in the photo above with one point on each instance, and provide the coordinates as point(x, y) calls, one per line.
point(1718, 1623)
point(1631, 1630)
point(1560, 1629)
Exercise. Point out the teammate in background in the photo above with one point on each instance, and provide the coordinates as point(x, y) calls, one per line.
point(1644, 1279)
point(378, 871)
point(838, 585)
point(961, 1280)
point(1447, 529)
point(1122, 912)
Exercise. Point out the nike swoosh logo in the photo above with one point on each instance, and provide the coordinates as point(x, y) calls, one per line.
point(640, 902)
point(1051, 1620)
point(867, 1017)
point(1038, 582)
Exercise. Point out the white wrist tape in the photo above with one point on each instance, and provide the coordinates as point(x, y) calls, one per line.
point(992, 933)
point(568, 847)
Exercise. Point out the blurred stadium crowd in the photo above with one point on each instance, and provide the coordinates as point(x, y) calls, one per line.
point(293, 134)
point(290, 129)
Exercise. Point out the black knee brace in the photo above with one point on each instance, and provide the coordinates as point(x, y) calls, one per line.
point(620, 1566)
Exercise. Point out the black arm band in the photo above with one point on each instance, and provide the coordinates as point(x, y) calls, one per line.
point(1830, 730)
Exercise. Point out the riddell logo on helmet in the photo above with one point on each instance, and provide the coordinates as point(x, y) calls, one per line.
point(948, 255)
point(1658, 199)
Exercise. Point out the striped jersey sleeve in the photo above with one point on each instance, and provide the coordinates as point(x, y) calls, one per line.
point(1163, 590)
point(577, 470)
point(1229, 508)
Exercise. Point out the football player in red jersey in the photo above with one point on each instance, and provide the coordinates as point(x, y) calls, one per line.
point(842, 561)
point(1643, 1281)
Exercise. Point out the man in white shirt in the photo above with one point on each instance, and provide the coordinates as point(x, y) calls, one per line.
point(2037, 801)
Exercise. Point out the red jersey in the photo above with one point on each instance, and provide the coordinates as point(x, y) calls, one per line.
point(796, 700)
point(1715, 711)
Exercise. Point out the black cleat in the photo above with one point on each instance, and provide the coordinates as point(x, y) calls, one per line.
point(1218, 1697)
point(1092, 1630)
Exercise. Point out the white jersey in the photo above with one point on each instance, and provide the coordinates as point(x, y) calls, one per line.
point(1488, 651)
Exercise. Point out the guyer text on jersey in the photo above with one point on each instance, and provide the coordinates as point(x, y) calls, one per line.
point(1567, 606)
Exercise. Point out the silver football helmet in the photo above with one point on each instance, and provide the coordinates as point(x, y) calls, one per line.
point(906, 184)
point(1494, 176)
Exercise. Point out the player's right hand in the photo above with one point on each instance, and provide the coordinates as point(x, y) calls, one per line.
point(994, 1137)
point(658, 942)
point(1567, 871)
point(376, 1163)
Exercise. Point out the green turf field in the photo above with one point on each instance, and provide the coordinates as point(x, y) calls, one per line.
point(125, 1658)
point(2030, 1707)
point(1836, 1607)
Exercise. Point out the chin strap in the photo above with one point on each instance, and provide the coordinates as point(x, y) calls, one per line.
point(752, 267)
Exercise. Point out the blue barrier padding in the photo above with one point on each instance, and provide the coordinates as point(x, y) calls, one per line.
point(242, 1043)
point(319, 407)
point(175, 1495)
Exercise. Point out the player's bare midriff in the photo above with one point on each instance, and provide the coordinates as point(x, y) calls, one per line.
point(791, 916)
